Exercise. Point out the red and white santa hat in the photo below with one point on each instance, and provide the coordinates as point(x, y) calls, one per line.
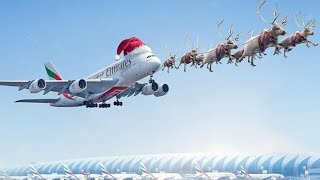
point(127, 46)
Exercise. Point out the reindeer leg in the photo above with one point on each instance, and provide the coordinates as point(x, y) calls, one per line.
point(248, 59)
point(185, 66)
point(179, 66)
point(307, 44)
point(202, 65)
point(284, 52)
point(168, 69)
point(163, 67)
point(253, 65)
point(210, 67)
point(312, 43)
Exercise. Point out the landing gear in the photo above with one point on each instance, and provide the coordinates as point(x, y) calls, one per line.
point(104, 105)
point(151, 80)
point(117, 103)
point(89, 104)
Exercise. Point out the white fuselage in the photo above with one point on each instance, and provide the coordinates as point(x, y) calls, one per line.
point(214, 176)
point(128, 70)
point(262, 176)
point(162, 176)
point(116, 176)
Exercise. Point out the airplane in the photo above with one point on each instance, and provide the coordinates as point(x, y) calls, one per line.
point(146, 174)
point(35, 175)
point(271, 176)
point(120, 79)
point(69, 174)
point(201, 174)
point(107, 175)
point(5, 176)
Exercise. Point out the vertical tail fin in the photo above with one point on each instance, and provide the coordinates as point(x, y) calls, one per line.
point(199, 170)
point(145, 170)
point(105, 171)
point(54, 74)
point(4, 173)
point(35, 172)
point(52, 71)
point(244, 172)
point(69, 172)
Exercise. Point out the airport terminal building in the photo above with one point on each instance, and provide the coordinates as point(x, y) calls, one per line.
point(289, 165)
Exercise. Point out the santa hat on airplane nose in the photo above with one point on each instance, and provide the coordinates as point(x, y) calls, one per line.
point(127, 46)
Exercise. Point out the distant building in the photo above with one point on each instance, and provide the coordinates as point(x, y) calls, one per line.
point(294, 165)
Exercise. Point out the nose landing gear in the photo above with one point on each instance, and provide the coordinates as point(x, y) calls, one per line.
point(117, 103)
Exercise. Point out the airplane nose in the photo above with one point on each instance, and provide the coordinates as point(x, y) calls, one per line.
point(284, 32)
point(156, 62)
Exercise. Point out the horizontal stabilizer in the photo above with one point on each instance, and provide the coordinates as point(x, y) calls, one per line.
point(38, 100)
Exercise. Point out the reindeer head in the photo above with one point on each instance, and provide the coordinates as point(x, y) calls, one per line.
point(193, 51)
point(231, 43)
point(172, 57)
point(306, 28)
point(276, 28)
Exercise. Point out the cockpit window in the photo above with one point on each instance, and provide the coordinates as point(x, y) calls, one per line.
point(152, 55)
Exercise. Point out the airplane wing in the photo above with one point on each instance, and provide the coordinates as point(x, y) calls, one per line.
point(93, 86)
point(37, 100)
point(133, 90)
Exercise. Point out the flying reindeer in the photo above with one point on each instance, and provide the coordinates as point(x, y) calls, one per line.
point(298, 37)
point(190, 56)
point(238, 54)
point(198, 60)
point(221, 51)
point(170, 62)
point(268, 38)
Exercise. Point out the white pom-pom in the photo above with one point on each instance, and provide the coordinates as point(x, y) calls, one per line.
point(117, 57)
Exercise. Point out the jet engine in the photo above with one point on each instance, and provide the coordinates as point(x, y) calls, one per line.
point(78, 86)
point(163, 90)
point(37, 86)
point(150, 89)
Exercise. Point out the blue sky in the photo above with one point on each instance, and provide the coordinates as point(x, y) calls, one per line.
point(273, 107)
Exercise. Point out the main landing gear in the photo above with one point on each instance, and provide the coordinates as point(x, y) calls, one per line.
point(102, 105)
point(117, 103)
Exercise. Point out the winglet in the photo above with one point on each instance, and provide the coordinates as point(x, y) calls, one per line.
point(52, 71)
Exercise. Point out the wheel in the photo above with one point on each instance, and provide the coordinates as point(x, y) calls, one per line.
point(115, 103)
point(108, 105)
point(120, 103)
point(100, 105)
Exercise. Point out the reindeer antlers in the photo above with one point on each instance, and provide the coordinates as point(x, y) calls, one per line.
point(259, 11)
point(296, 19)
point(303, 23)
point(218, 29)
point(230, 32)
point(275, 14)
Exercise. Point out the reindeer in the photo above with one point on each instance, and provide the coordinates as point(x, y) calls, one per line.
point(268, 38)
point(298, 37)
point(198, 60)
point(170, 62)
point(221, 51)
point(238, 54)
point(190, 56)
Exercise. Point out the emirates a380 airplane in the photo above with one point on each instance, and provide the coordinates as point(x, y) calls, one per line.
point(117, 80)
